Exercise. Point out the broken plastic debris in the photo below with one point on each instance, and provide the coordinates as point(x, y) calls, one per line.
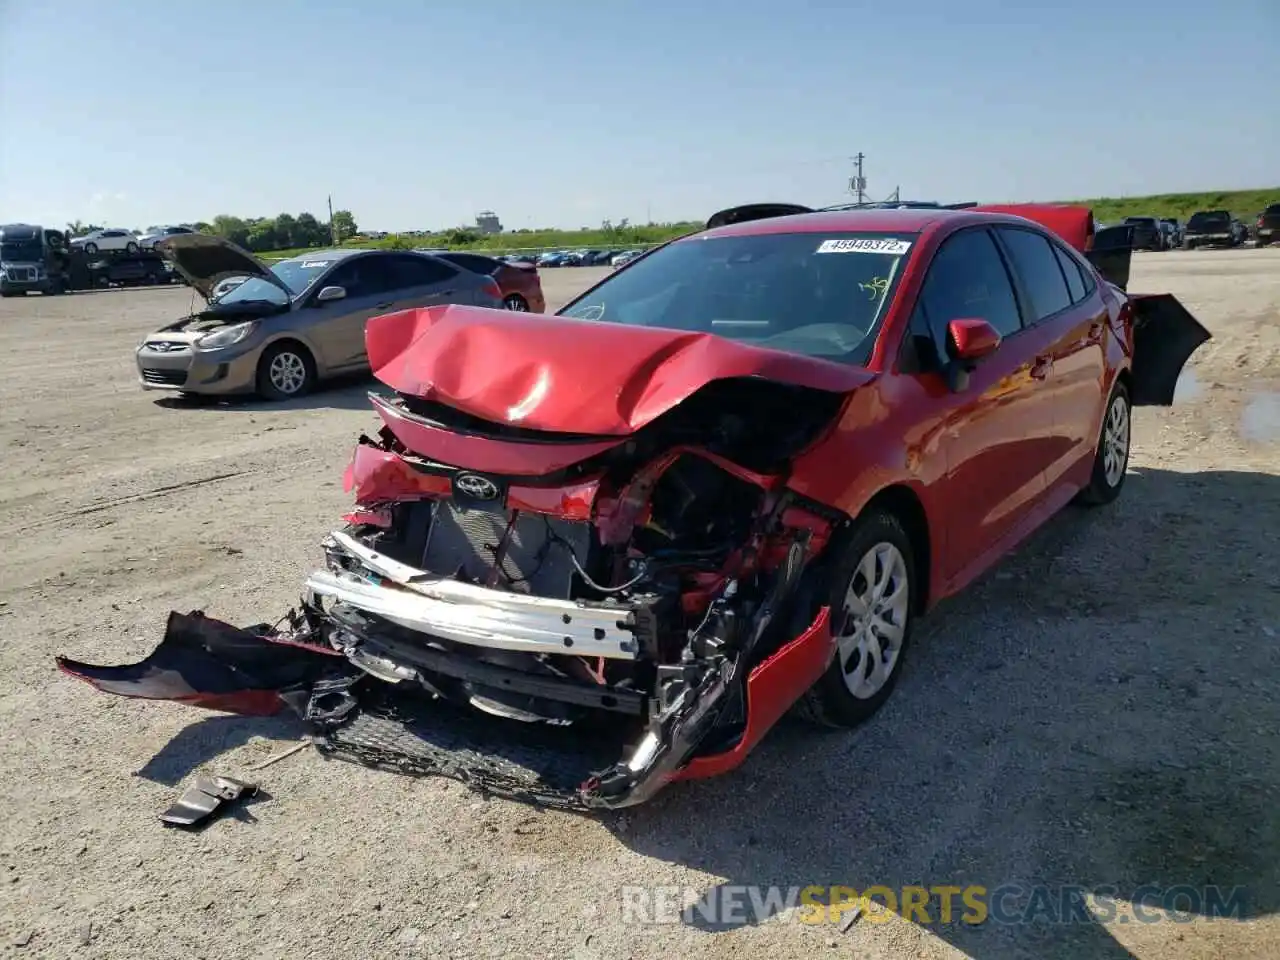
point(204, 798)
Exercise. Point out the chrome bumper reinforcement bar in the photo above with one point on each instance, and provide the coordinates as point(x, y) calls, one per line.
point(467, 613)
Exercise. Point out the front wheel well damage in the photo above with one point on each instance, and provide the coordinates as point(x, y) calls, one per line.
point(903, 502)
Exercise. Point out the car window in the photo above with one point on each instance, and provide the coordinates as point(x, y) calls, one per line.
point(967, 278)
point(1037, 267)
point(474, 263)
point(413, 271)
point(363, 277)
point(1076, 282)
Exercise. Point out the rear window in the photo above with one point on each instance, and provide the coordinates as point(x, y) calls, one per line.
point(1209, 217)
point(1141, 221)
point(1274, 208)
point(818, 294)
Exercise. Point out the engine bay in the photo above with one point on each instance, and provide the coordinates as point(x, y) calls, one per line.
point(683, 537)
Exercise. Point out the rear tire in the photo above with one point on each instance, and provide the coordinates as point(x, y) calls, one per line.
point(1111, 459)
point(285, 371)
point(130, 247)
point(872, 595)
point(513, 301)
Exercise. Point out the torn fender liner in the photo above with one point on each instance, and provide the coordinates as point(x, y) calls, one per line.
point(1165, 335)
point(208, 663)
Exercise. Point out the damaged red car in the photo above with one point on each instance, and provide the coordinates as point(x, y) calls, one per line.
point(599, 551)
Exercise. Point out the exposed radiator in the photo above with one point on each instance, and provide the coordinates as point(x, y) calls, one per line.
point(468, 540)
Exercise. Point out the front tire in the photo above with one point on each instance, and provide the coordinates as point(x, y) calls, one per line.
point(873, 591)
point(1111, 459)
point(285, 371)
point(90, 249)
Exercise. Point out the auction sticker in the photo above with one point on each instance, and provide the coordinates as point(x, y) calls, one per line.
point(865, 245)
point(315, 264)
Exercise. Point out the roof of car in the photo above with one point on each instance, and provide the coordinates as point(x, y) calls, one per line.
point(882, 221)
point(334, 254)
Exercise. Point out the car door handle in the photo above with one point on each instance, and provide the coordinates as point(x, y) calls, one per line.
point(1040, 369)
point(383, 305)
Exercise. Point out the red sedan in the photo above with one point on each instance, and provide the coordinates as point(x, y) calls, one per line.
point(610, 548)
point(520, 284)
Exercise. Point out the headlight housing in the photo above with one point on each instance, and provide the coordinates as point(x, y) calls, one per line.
point(226, 337)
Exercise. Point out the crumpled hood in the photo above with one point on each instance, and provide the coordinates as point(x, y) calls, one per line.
point(570, 376)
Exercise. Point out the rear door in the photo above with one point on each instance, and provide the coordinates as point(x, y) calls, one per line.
point(997, 429)
point(337, 327)
point(423, 281)
point(1068, 322)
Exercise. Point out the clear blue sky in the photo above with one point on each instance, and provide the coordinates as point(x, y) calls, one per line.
point(421, 114)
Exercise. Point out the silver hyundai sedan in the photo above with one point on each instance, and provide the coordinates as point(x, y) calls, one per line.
point(275, 331)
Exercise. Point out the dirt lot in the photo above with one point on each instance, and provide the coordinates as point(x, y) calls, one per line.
point(1102, 709)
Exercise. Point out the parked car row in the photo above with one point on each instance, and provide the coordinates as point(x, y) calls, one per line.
point(113, 239)
point(586, 258)
point(1203, 228)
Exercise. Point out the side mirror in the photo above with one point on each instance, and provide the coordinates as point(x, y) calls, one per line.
point(969, 340)
point(329, 294)
point(972, 339)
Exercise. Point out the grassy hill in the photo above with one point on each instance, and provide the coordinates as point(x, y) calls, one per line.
point(1245, 204)
point(1242, 203)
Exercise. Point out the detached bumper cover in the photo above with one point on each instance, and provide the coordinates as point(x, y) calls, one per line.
point(355, 717)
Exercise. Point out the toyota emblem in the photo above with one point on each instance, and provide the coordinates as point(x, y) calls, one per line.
point(475, 486)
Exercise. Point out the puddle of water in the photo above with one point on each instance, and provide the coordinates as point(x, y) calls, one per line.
point(1188, 386)
point(1260, 421)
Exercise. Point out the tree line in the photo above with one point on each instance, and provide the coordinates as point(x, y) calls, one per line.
point(264, 234)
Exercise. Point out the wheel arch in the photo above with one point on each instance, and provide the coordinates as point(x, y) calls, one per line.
point(905, 504)
point(292, 338)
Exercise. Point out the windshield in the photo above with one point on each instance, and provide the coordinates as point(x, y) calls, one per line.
point(21, 250)
point(817, 294)
point(297, 275)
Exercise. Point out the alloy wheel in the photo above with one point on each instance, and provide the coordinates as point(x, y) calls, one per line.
point(514, 302)
point(873, 624)
point(288, 372)
point(1115, 440)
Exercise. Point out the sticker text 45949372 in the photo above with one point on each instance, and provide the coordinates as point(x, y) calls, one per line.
point(865, 245)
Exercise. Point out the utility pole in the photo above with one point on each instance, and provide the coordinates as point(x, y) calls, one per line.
point(858, 183)
point(333, 227)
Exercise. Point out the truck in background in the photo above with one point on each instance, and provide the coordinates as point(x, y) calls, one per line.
point(33, 257)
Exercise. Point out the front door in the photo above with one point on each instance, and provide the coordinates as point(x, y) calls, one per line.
point(996, 426)
point(338, 325)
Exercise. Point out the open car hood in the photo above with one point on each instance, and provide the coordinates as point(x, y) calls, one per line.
point(557, 374)
point(206, 261)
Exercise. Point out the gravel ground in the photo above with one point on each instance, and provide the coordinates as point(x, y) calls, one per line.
point(1100, 709)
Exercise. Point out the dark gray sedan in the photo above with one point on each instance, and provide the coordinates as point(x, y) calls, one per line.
point(275, 331)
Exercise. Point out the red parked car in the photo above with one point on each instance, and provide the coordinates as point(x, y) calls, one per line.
point(596, 552)
point(521, 286)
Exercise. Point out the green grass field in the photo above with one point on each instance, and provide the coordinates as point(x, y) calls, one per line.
point(1242, 203)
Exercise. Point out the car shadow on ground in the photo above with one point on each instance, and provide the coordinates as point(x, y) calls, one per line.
point(341, 393)
point(200, 742)
point(1109, 727)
